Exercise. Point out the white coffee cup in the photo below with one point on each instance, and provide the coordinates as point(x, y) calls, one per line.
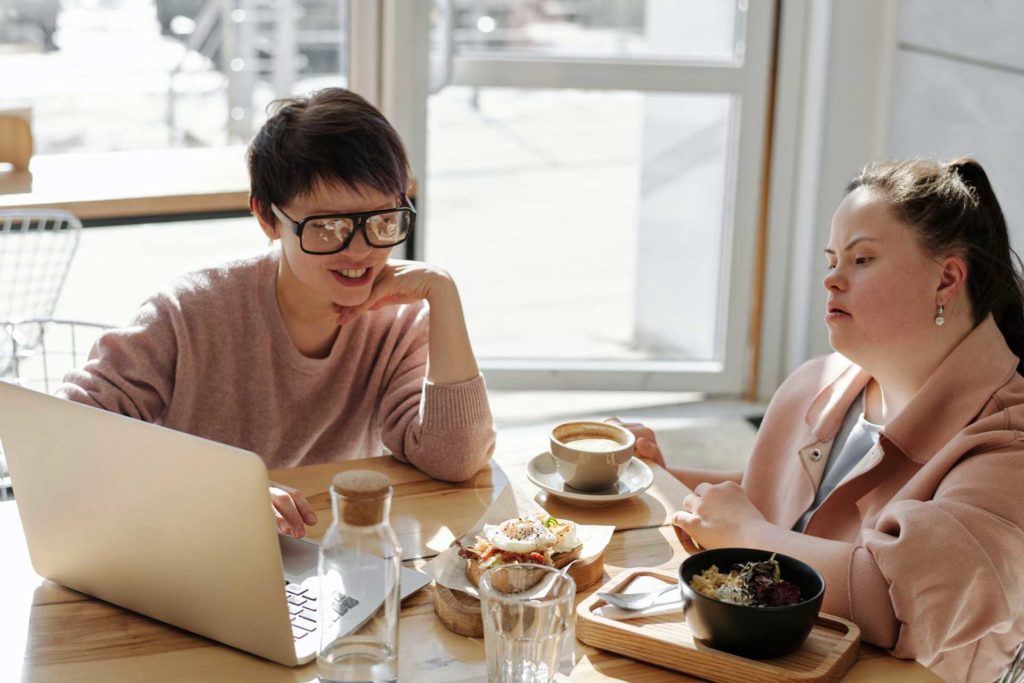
point(591, 456)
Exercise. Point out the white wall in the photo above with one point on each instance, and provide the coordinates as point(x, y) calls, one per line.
point(879, 79)
point(958, 89)
point(831, 118)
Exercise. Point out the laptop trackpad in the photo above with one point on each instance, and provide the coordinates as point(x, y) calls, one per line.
point(299, 558)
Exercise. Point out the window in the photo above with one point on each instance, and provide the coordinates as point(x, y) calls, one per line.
point(150, 74)
point(590, 173)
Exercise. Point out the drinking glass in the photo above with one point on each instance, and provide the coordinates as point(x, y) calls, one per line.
point(528, 620)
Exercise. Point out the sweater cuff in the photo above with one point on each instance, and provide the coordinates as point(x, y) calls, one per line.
point(872, 609)
point(449, 407)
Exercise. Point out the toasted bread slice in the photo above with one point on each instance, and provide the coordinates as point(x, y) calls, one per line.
point(473, 571)
point(528, 580)
point(559, 560)
point(506, 582)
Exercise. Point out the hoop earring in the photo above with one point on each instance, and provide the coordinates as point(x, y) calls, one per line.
point(939, 320)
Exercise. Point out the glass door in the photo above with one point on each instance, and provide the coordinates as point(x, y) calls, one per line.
point(590, 173)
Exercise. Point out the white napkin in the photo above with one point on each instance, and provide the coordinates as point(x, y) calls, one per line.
point(665, 604)
point(448, 569)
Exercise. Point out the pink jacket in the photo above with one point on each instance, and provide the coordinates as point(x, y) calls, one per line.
point(927, 547)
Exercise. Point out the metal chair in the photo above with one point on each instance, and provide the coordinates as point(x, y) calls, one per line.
point(1015, 671)
point(36, 249)
point(57, 347)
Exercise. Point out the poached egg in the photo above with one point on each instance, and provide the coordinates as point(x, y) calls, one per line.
point(567, 537)
point(520, 535)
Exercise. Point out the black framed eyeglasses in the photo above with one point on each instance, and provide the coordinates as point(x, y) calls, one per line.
point(331, 233)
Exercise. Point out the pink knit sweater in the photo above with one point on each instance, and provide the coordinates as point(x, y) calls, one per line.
point(210, 356)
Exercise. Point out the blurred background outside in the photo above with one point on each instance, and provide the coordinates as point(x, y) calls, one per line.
point(563, 144)
point(535, 196)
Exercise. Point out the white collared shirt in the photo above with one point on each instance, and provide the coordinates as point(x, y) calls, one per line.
point(856, 437)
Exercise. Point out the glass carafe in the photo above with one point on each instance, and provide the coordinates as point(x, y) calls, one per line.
point(360, 561)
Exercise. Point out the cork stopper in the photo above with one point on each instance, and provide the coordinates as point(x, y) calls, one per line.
point(364, 496)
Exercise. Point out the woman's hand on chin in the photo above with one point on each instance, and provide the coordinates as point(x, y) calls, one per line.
point(397, 283)
point(719, 515)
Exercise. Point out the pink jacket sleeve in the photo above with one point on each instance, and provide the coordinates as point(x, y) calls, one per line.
point(952, 564)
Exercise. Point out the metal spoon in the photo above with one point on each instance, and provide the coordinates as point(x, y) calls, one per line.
point(635, 600)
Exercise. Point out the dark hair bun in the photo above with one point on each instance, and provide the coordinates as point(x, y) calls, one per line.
point(971, 173)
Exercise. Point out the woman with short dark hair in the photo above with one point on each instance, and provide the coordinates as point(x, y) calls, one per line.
point(324, 349)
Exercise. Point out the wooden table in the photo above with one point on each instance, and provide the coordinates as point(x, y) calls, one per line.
point(112, 188)
point(48, 632)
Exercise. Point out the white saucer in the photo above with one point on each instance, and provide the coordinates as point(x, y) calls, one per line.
point(635, 480)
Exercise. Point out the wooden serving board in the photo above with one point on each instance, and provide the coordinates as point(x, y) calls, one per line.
point(460, 612)
point(827, 654)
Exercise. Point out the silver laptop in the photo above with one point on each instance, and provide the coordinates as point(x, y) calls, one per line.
point(166, 524)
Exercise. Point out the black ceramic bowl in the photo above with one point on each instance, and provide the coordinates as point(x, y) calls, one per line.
point(755, 632)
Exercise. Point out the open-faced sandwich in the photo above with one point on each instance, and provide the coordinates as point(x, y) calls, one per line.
point(531, 539)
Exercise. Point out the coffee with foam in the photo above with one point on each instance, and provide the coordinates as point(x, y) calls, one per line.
point(591, 456)
point(595, 445)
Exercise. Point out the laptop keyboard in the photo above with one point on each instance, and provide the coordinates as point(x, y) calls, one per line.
point(303, 608)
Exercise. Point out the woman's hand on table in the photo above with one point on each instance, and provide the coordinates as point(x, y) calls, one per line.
point(292, 511)
point(646, 446)
point(714, 515)
point(719, 515)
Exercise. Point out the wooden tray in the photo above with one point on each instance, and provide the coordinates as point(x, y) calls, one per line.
point(827, 654)
point(460, 612)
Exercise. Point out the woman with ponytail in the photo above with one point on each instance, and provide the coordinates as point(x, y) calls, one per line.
point(895, 466)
